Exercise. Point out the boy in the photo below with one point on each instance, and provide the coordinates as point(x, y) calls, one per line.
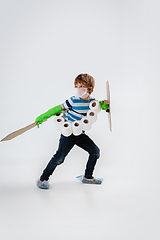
point(76, 107)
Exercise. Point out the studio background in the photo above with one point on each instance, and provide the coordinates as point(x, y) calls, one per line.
point(44, 46)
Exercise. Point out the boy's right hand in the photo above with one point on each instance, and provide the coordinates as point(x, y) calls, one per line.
point(40, 119)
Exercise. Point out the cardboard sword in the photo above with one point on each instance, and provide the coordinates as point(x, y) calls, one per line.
point(18, 132)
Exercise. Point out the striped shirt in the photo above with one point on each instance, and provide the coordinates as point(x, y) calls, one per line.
point(76, 108)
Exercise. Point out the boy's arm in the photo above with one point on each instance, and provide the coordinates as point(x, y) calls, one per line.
point(62, 107)
point(51, 112)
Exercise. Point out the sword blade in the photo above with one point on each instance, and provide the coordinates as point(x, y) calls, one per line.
point(18, 132)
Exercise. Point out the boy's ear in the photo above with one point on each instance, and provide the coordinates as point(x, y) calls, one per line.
point(90, 89)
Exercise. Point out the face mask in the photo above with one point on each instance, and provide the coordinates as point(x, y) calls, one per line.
point(81, 92)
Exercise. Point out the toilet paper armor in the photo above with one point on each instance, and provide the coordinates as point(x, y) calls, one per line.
point(67, 127)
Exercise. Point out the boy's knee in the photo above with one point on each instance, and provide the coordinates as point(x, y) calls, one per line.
point(56, 160)
point(60, 161)
point(97, 153)
point(59, 158)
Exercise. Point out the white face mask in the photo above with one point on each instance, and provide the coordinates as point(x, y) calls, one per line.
point(81, 92)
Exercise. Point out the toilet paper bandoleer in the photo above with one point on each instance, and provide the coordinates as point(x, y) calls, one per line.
point(76, 107)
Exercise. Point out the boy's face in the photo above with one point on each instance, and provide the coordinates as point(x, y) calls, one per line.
point(83, 85)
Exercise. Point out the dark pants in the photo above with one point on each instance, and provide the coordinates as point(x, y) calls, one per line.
point(65, 145)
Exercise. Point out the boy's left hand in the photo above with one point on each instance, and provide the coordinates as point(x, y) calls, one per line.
point(104, 104)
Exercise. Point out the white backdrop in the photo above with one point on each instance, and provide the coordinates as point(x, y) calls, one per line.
point(44, 46)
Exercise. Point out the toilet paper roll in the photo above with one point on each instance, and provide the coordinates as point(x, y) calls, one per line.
point(59, 115)
point(58, 121)
point(95, 106)
point(92, 115)
point(77, 127)
point(86, 123)
point(66, 129)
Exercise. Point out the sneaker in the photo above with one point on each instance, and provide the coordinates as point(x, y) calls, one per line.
point(42, 184)
point(92, 180)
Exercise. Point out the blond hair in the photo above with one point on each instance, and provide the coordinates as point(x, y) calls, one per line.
point(85, 78)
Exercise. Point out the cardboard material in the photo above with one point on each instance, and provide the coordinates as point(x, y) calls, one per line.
point(108, 98)
point(18, 132)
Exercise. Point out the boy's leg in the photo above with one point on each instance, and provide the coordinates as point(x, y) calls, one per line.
point(65, 145)
point(94, 153)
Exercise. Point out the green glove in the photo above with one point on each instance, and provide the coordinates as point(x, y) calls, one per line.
point(48, 114)
point(103, 105)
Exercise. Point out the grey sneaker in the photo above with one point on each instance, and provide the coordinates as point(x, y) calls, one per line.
point(92, 181)
point(42, 184)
